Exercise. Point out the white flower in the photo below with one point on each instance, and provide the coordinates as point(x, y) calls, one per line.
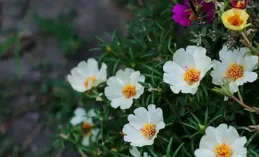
point(136, 153)
point(124, 87)
point(235, 68)
point(144, 126)
point(87, 75)
point(222, 141)
point(187, 69)
point(90, 133)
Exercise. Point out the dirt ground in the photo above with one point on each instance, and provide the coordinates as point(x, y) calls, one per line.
point(93, 18)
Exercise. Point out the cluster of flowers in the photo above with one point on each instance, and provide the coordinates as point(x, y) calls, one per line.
point(198, 10)
point(183, 74)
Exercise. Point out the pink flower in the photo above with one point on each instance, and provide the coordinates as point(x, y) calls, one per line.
point(240, 4)
point(184, 14)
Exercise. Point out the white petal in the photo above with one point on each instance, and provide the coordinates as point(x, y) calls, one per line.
point(82, 68)
point(208, 142)
point(80, 112)
point(204, 153)
point(240, 152)
point(91, 113)
point(146, 154)
point(238, 143)
point(102, 75)
point(160, 125)
point(77, 83)
point(249, 63)
point(142, 78)
point(233, 87)
point(231, 135)
point(113, 92)
point(92, 66)
point(123, 76)
point(134, 77)
point(135, 152)
point(183, 58)
point(86, 141)
point(250, 76)
point(155, 114)
point(192, 89)
point(227, 56)
point(173, 73)
point(221, 133)
point(123, 102)
point(202, 62)
point(77, 120)
point(136, 121)
point(142, 114)
point(140, 91)
point(133, 135)
point(218, 73)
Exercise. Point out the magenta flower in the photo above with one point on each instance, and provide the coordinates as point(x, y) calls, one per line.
point(184, 14)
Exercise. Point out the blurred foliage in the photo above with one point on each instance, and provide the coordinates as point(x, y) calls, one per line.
point(63, 30)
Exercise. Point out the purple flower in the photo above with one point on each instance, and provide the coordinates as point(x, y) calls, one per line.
point(184, 14)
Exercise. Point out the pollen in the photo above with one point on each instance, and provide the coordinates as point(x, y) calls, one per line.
point(129, 91)
point(148, 130)
point(191, 76)
point(234, 71)
point(235, 20)
point(223, 150)
point(91, 78)
point(87, 127)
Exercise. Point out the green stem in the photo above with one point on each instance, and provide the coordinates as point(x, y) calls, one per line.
point(239, 95)
point(82, 153)
point(177, 115)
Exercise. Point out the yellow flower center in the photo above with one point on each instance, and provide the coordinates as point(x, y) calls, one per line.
point(148, 130)
point(240, 4)
point(235, 20)
point(234, 71)
point(223, 150)
point(86, 127)
point(129, 91)
point(91, 78)
point(191, 76)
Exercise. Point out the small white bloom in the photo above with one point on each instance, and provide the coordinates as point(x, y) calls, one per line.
point(90, 133)
point(222, 141)
point(136, 153)
point(144, 126)
point(87, 75)
point(187, 69)
point(235, 68)
point(124, 87)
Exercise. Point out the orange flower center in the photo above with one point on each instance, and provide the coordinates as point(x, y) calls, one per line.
point(129, 91)
point(234, 71)
point(191, 76)
point(193, 17)
point(91, 78)
point(223, 150)
point(235, 20)
point(86, 127)
point(148, 130)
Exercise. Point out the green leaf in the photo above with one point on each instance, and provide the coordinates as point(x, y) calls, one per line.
point(7, 44)
point(177, 150)
point(168, 150)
